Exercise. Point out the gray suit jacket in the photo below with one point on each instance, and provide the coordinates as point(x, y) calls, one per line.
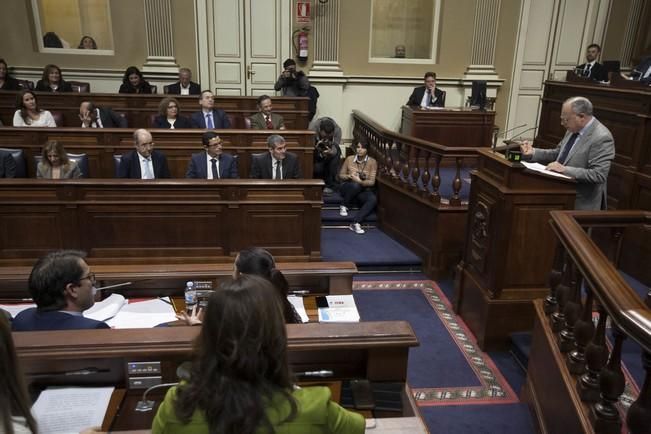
point(588, 162)
point(67, 172)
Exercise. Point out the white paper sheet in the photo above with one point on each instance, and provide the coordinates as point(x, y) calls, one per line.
point(143, 314)
point(71, 409)
point(298, 304)
point(15, 309)
point(543, 169)
point(105, 309)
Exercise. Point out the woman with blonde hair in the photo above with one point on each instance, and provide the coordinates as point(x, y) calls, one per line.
point(55, 163)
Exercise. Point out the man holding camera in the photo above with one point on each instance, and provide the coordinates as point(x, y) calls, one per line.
point(327, 152)
point(292, 82)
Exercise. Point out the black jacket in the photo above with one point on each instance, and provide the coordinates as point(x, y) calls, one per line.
point(597, 72)
point(175, 89)
point(417, 96)
point(44, 86)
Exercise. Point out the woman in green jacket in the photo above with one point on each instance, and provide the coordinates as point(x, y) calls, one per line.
point(240, 379)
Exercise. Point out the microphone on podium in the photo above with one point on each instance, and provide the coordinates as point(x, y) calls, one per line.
point(497, 135)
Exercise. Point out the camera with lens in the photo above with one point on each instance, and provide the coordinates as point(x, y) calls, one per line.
point(322, 147)
point(362, 176)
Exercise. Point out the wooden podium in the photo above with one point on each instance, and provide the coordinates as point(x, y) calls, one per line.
point(509, 247)
point(449, 126)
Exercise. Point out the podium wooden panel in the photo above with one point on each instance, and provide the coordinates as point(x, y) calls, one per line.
point(509, 247)
point(449, 126)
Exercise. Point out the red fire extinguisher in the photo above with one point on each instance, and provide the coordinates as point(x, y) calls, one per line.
point(302, 49)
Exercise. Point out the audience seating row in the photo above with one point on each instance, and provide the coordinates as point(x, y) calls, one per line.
point(101, 147)
point(139, 109)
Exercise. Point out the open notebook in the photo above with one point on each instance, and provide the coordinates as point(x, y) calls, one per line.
point(119, 313)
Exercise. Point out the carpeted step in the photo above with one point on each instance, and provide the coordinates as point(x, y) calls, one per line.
point(331, 216)
point(521, 348)
point(373, 250)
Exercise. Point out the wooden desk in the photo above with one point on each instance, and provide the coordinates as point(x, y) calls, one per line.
point(377, 351)
point(180, 221)
point(178, 145)
point(460, 127)
point(152, 279)
point(509, 247)
point(139, 108)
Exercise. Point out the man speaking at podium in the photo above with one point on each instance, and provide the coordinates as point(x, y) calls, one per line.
point(584, 153)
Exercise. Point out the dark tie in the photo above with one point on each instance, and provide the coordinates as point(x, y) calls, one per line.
point(209, 122)
point(567, 148)
point(215, 172)
point(270, 126)
point(278, 171)
point(589, 73)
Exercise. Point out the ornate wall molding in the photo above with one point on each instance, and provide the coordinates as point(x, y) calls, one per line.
point(160, 37)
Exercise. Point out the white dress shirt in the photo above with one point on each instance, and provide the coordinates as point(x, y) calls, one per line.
point(144, 164)
point(273, 168)
point(427, 97)
point(185, 90)
point(209, 166)
point(44, 120)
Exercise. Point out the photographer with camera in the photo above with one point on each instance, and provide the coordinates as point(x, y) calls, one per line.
point(292, 82)
point(358, 176)
point(327, 153)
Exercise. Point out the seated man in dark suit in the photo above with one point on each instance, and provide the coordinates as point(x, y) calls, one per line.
point(428, 95)
point(213, 163)
point(265, 119)
point(185, 85)
point(591, 68)
point(144, 162)
point(277, 163)
point(7, 165)
point(92, 116)
point(62, 286)
point(209, 117)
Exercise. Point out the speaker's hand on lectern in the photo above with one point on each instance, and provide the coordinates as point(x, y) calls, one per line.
point(526, 147)
point(556, 167)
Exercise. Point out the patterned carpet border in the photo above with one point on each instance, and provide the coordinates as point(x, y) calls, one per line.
point(494, 388)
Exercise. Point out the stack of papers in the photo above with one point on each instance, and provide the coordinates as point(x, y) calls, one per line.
point(118, 313)
point(537, 167)
point(341, 308)
point(71, 409)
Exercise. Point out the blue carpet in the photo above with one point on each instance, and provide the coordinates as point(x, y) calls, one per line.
point(437, 349)
point(374, 248)
point(514, 374)
point(331, 216)
point(447, 286)
point(447, 176)
point(474, 419)
point(636, 285)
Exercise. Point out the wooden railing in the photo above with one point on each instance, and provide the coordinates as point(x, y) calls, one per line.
point(412, 163)
point(414, 206)
point(585, 280)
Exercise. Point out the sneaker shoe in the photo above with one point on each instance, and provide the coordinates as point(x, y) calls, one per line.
point(343, 211)
point(328, 190)
point(357, 228)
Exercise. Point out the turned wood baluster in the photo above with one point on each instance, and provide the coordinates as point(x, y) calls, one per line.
point(390, 162)
point(415, 169)
point(436, 180)
point(596, 355)
point(583, 333)
point(425, 178)
point(554, 280)
point(397, 165)
point(406, 167)
point(572, 311)
point(604, 414)
point(562, 294)
point(455, 200)
point(638, 418)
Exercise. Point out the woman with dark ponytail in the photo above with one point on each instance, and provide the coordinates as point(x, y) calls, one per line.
point(259, 262)
point(240, 381)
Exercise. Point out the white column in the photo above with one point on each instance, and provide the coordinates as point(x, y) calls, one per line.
point(326, 39)
point(482, 62)
point(630, 30)
point(160, 41)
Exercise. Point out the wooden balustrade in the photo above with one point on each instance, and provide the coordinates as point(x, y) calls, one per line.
point(584, 280)
point(414, 208)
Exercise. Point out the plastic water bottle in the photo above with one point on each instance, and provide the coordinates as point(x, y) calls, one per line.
point(190, 296)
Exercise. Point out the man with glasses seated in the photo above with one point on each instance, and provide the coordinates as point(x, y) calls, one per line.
point(143, 162)
point(62, 287)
